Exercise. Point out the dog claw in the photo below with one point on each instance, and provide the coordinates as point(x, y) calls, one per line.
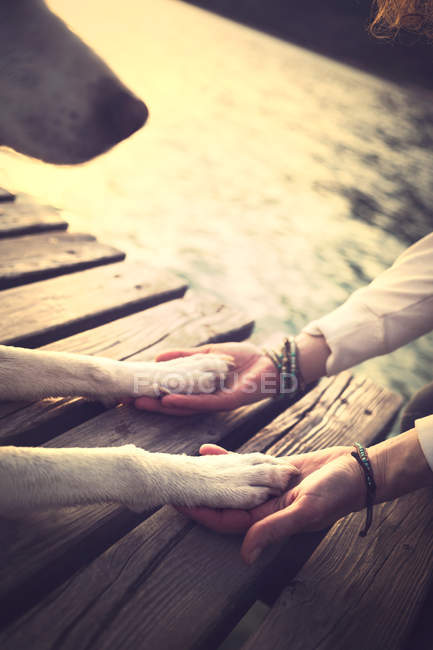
point(229, 360)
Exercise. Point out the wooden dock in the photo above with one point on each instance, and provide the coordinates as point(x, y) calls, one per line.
point(102, 577)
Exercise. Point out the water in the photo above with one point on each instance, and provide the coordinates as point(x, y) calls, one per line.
point(273, 177)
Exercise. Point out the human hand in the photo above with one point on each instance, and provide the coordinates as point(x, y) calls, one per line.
point(252, 377)
point(329, 486)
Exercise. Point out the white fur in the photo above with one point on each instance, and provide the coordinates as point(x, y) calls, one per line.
point(33, 478)
point(61, 103)
point(43, 478)
point(31, 375)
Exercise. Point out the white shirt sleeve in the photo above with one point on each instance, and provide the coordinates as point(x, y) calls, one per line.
point(394, 309)
point(424, 428)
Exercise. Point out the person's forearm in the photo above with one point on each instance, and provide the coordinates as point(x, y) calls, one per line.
point(397, 307)
point(313, 352)
point(399, 466)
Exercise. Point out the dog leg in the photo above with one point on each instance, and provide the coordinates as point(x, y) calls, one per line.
point(35, 478)
point(32, 374)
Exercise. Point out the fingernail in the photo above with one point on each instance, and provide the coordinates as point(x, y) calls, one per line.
point(253, 556)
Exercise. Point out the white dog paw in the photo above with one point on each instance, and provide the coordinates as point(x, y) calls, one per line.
point(199, 373)
point(239, 480)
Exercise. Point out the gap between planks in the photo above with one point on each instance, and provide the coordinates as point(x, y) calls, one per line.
point(192, 595)
point(6, 196)
point(22, 215)
point(70, 304)
point(358, 594)
point(189, 322)
point(180, 323)
point(36, 257)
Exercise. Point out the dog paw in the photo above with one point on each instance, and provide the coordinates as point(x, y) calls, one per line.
point(237, 480)
point(199, 373)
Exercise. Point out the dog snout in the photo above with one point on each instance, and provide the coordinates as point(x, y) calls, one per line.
point(124, 114)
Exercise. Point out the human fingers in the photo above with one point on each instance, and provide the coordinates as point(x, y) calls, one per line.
point(227, 521)
point(221, 401)
point(156, 406)
point(182, 352)
point(276, 527)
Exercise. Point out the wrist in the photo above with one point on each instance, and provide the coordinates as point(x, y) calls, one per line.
point(313, 352)
point(359, 487)
point(399, 466)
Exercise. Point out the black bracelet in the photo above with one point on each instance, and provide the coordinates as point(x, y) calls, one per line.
point(287, 364)
point(361, 457)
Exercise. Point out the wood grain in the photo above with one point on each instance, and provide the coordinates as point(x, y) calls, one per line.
point(358, 593)
point(186, 587)
point(40, 550)
point(24, 216)
point(189, 322)
point(186, 322)
point(37, 257)
point(339, 406)
point(40, 313)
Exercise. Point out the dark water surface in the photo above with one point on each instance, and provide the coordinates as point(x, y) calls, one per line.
point(273, 177)
point(338, 29)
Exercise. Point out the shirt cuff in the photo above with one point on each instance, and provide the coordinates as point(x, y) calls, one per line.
point(353, 333)
point(424, 428)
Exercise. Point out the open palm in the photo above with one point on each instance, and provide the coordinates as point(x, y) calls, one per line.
point(252, 378)
point(330, 485)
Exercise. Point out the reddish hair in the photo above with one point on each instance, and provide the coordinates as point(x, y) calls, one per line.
point(391, 16)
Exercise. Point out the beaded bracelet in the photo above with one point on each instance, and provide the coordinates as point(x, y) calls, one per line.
point(286, 362)
point(361, 457)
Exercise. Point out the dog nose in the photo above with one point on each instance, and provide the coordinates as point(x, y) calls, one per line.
point(125, 114)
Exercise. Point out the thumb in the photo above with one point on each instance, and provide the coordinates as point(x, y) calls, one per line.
point(275, 528)
point(177, 353)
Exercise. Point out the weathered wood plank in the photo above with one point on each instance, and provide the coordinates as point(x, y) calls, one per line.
point(6, 196)
point(190, 321)
point(24, 216)
point(37, 314)
point(39, 551)
point(421, 633)
point(187, 586)
point(355, 593)
point(348, 402)
point(37, 257)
